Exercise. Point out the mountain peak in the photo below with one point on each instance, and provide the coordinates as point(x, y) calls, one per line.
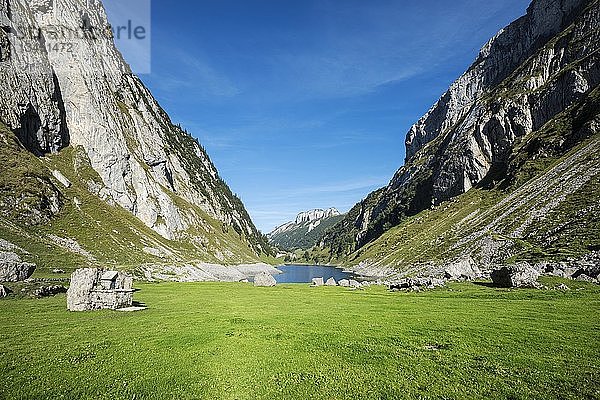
point(313, 215)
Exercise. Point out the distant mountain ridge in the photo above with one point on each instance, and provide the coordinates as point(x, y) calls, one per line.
point(305, 231)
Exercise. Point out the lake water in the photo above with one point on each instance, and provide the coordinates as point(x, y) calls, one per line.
point(305, 273)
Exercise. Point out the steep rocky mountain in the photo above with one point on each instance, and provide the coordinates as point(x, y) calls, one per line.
point(305, 231)
point(91, 164)
point(513, 142)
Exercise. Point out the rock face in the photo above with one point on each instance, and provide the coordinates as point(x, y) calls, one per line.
point(318, 282)
point(30, 99)
point(4, 291)
point(13, 269)
point(95, 289)
point(313, 215)
point(89, 99)
point(464, 269)
point(264, 279)
point(537, 67)
point(305, 231)
point(515, 276)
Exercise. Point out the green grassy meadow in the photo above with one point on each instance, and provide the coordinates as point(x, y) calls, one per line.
point(234, 341)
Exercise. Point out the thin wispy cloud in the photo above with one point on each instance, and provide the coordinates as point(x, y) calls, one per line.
point(195, 76)
point(327, 188)
point(340, 187)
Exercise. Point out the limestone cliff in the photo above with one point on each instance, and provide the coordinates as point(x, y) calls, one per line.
point(84, 97)
point(479, 133)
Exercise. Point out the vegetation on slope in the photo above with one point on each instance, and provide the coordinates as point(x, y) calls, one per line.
point(27, 193)
point(247, 343)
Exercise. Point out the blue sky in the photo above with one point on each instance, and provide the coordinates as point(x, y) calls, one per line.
point(305, 104)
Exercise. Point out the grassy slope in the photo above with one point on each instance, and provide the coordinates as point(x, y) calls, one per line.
point(112, 235)
point(233, 341)
point(571, 229)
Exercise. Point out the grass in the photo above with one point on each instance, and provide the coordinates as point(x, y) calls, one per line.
point(234, 341)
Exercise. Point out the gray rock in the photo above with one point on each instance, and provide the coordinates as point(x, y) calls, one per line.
point(585, 278)
point(422, 283)
point(13, 269)
point(204, 272)
point(61, 178)
point(354, 284)
point(331, 282)
point(516, 276)
point(592, 271)
point(264, 279)
point(562, 287)
point(94, 289)
point(464, 269)
point(4, 291)
point(317, 282)
point(72, 246)
point(58, 271)
point(344, 283)
point(47, 291)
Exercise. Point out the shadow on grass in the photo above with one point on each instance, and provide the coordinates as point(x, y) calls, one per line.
point(487, 284)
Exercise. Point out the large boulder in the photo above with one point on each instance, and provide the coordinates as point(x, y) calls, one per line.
point(317, 282)
point(83, 282)
point(96, 289)
point(331, 282)
point(344, 283)
point(264, 279)
point(462, 270)
point(4, 291)
point(516, 276)
point(13, 269)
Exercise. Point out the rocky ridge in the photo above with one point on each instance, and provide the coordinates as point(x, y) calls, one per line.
point(506, 111)
point(96, 126)
point(305, 230)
